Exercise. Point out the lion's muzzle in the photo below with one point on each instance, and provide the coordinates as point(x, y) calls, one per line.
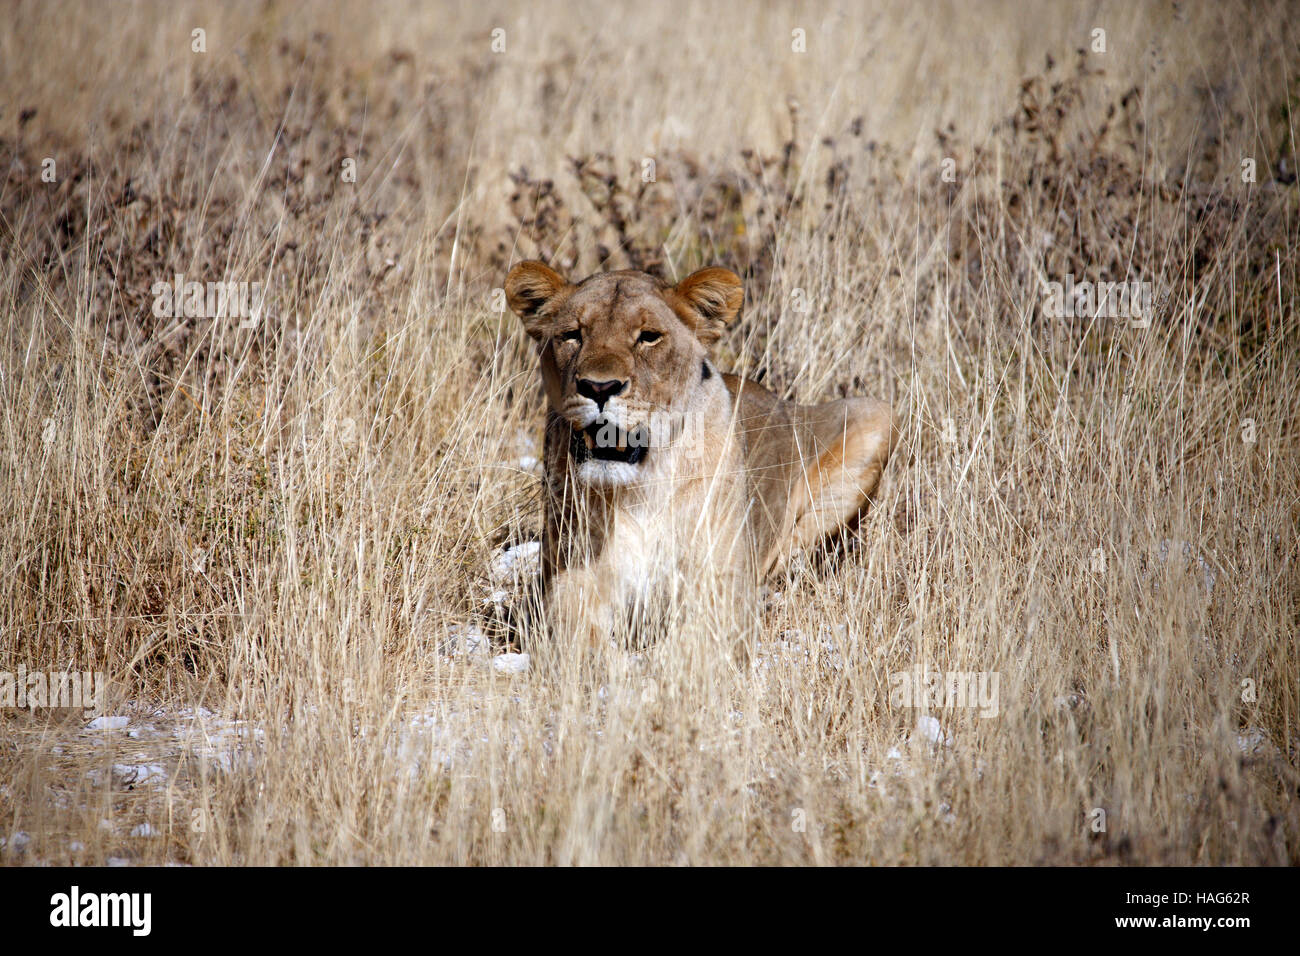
point(604, 440)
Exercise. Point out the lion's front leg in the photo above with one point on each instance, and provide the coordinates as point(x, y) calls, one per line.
point(579, 609)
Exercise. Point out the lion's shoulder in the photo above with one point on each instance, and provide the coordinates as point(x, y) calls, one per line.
point(752, 399)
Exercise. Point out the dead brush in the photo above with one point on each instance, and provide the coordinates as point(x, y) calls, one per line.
point(293, 525)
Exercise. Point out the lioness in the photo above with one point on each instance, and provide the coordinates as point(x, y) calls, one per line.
point(670, 485)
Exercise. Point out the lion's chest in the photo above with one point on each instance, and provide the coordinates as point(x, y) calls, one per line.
point(642, 551)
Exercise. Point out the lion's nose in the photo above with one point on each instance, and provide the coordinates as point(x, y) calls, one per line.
point(600, 392)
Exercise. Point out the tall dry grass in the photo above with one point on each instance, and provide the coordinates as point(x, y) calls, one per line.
point(292, 525)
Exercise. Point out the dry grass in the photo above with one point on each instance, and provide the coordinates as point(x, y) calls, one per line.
point(290, 524)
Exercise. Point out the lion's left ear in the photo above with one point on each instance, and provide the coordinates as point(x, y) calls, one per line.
point(708, 301)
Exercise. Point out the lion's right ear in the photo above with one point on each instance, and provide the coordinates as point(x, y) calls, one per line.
point(530, 287)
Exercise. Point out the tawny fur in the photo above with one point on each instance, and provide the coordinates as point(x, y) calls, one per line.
point(734, 482)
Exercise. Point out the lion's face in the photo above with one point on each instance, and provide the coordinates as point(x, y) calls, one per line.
point(624, 358)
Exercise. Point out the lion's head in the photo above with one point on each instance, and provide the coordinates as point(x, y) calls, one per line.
point(624, 357)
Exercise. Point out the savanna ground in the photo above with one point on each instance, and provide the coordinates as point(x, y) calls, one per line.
point(282, 540)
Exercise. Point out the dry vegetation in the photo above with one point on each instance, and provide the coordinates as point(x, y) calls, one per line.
point(292, 524)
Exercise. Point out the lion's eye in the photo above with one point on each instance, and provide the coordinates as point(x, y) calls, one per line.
point(573, 335)
point(649, 335)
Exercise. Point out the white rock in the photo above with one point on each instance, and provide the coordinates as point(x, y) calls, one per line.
point(929, 728)
point(511, 663)
point(516, 562)
point(1253, 741)
point(108, 723)
point(134, 774)
point(465, 639)
point(144, 830)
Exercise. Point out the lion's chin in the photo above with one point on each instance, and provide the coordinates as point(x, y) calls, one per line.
point(608, 474)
